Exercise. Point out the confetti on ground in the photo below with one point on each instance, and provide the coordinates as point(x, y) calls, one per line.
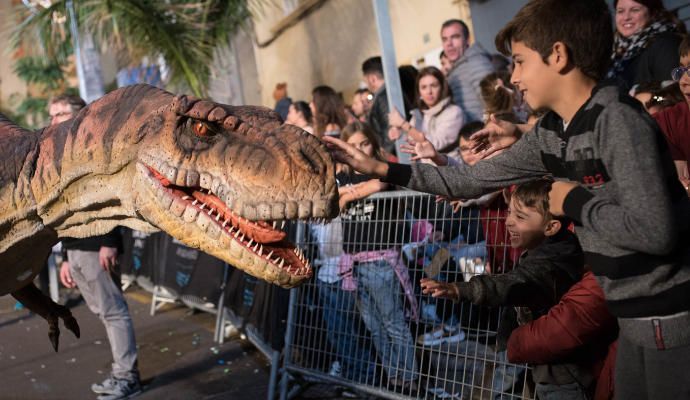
point(178, 354)
point(164, 349)
point(43, 366)
point(226, 370)
point(214, 350)
point(256, 371)
point(97, 342)
point(221, 362)
point(71, 360)
point(12, 357)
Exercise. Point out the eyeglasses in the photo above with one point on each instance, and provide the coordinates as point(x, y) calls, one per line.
point(677, 73)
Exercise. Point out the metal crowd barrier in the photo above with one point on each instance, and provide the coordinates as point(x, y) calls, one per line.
point(368, 330)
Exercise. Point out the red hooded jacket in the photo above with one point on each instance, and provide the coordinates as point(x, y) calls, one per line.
point(579, 329)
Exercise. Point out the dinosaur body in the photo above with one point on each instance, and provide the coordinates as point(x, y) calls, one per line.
point(216, 177)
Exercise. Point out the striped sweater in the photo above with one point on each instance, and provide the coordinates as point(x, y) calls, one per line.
point(632, 216)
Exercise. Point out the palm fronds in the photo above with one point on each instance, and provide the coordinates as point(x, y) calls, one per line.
point(183, 32)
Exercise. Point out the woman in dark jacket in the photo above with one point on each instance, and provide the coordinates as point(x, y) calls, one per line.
point(646, 42)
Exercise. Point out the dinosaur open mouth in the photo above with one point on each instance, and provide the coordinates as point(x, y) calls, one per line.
point(263, 239)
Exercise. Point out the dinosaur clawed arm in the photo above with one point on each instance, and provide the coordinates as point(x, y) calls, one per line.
point(37, 302)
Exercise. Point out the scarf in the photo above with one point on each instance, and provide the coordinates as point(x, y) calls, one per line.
point(625, 49)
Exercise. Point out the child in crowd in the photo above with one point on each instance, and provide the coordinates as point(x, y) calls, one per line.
point(493, 206)
point(617, 182)
point(675, 121)
point(371, 231)
point(577, 335)
point(551, 264)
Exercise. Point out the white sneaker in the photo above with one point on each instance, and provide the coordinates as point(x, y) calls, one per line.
point(120, 389)
point(336, 369)
point(440, 335)
point(441, 393)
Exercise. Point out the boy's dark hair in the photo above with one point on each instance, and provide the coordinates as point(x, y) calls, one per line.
point(584, 26)
point(373, 65)
point(303, 107)
point(76, 103)
point(535, 194)
point(470, 129)
point(442, 54)
point(684, 47)
point(463, 26)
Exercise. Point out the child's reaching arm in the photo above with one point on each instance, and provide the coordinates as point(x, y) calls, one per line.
point(520, 163)
point(523, 286)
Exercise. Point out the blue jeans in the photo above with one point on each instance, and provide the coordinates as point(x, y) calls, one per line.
point(104, 298)
point(570, 391)
point(343, 333)
point(380, 301)
point(505, 377)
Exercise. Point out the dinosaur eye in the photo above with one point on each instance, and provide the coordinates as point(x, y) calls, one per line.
point(201, 129)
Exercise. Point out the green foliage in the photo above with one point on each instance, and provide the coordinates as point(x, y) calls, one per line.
point(184, 32)
point(37, 70)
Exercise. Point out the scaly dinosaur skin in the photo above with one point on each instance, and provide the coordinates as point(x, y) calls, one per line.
point(213, 176)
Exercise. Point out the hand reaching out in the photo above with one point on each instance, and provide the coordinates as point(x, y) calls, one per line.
point(419, 150)
point(496, 135)
point(348, 154)
point(395, 119)
point(440, 289)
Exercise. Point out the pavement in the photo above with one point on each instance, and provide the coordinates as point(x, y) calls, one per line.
point(178, 358)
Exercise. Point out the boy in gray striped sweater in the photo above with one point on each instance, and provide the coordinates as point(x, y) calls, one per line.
point(615, 178)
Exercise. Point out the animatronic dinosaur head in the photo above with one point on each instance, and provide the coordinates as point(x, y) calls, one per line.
point(216, 177)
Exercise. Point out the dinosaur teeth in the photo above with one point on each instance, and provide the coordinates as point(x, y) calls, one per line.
point(275, 224)
point(237, 234)
point(186, 197)
point(195, 201)
point(282, 262)
point(261, 250)
point(269, 255)
point(210, 212)
point(225, 223)
point(218, 217)
point(282, 224)
point(256, 247)
point(203, 205)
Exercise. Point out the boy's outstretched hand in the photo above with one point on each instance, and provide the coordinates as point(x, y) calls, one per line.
point(439, 289)
point(348, 154)
point(495, 136)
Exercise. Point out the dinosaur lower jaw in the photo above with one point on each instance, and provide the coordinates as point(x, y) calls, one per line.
point(195, 205)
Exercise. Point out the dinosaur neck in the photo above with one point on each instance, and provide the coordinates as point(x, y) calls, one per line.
point(85, 167)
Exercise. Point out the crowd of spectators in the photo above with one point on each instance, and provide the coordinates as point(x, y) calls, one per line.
point(372, 257)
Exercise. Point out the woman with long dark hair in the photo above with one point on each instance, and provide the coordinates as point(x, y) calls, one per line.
point(328, 110)
point(438, 119)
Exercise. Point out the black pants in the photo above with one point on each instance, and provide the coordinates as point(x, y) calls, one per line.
point(648, 373)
